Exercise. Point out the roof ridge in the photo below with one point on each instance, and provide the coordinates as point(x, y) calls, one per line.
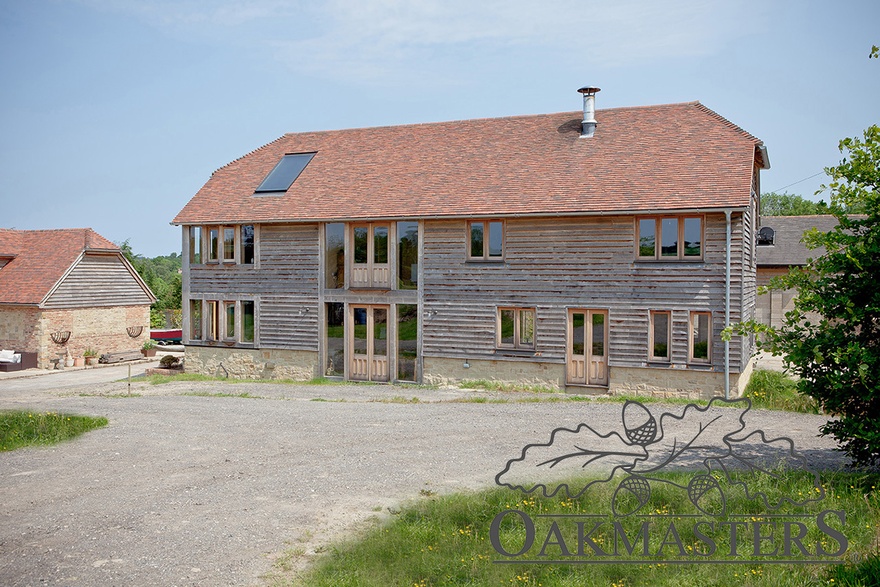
point(478, 119)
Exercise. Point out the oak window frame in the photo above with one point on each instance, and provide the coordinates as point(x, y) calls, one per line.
point(662, 223)
point(695, 349)
point(486, 255)
point(652, 337)
point(223, 244)
point(525, 327)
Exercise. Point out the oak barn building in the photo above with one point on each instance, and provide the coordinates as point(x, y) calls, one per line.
point(593, 251)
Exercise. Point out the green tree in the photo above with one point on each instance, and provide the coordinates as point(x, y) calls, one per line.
point(773, 204)
point(162, 275)
point(831, 339)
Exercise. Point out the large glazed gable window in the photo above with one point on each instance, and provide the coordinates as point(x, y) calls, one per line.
point(486, 240)
point(285, 173)
point(669, 238)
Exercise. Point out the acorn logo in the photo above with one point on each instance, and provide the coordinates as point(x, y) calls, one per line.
point(707, 442)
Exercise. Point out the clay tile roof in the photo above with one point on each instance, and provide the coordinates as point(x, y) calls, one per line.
point(37, 259)
point(672, 157)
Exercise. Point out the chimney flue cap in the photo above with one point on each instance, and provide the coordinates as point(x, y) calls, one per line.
point(589, 90)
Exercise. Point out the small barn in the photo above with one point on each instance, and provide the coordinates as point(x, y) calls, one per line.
point(780, 247)
point(69, 290)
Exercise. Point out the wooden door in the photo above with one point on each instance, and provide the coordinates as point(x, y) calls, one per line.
point(368, 343)
point(587, 349)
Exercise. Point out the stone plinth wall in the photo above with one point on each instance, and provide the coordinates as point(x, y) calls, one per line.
point(676, 383)
point(438, 371)
point(671, 383)
point(237, 363)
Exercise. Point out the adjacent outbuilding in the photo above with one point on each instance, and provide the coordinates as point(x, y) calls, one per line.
point(66, 291)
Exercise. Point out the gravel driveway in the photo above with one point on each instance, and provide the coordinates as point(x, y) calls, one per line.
point(188, 489)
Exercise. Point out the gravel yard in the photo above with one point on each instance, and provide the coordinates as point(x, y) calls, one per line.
point(190, 489)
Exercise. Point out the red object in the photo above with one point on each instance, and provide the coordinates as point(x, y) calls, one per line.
point(173, 336)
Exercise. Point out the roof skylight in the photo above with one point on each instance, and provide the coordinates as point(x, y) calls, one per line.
point(285, 173)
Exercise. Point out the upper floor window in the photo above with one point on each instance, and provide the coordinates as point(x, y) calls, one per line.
point(486, 240)
point(407, 255)
point(226, 244)
point(669, 238)
point(195, 245)
point(370, 267)
point(247, 244)
point(214, 244)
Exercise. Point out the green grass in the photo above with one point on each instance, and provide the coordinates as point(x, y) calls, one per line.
point(20, 428)
point(445, 541)
point(773, 390)
point(504, 386)
point(162, 379)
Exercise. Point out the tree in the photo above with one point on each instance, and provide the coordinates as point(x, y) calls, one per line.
point(837, 355)
point(773, 204)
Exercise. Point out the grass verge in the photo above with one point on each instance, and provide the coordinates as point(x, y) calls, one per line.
point(21, 428)
point(772, 390)
point(446, 541)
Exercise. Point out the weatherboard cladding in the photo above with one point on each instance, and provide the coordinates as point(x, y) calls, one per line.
point(672, 157)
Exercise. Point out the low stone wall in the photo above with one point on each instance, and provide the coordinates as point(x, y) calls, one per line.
point(665, 383)
point(439, 371)
point(675, 383)
point(237, 363)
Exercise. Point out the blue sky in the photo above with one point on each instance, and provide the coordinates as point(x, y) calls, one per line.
point(113, 113)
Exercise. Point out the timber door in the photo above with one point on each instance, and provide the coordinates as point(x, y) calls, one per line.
point(587, 351)
point(368, 341)
point(370, 267)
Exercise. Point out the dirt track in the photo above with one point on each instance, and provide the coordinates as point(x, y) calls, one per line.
point(195, 490)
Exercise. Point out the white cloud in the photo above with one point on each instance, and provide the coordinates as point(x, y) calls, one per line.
point(390, 40)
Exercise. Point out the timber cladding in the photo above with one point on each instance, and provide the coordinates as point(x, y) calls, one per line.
point(554, 264)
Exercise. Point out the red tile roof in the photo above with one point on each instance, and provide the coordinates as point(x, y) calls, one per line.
point(40, 258)
point(678, 156)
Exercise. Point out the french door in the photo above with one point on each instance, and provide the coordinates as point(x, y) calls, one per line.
point(370, 267)
point(368, 343)
point(587, 349)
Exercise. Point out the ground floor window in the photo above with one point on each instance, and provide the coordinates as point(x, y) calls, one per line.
point(700, 337)
point(660, 336)
point(335, 335)
point(407, 341)
point(195, 319)
point(226, 320)
point(516, 328)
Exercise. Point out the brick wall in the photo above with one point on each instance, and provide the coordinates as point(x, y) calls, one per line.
point(19, 328)
point(102, 329)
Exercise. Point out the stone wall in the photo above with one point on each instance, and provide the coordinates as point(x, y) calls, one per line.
point(643, 381)
point(101, 329)
point(675, 383)
point(238, 363)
